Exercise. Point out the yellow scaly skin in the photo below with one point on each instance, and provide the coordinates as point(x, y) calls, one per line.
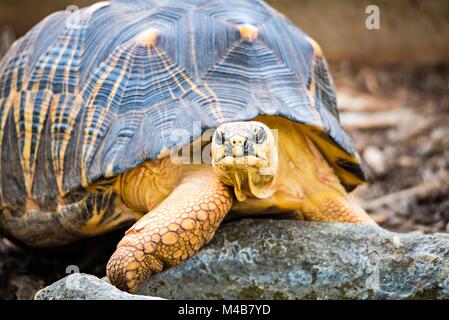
point(187, 203)
point(173, 231)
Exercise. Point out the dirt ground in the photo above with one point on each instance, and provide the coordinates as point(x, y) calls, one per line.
point(398, 117)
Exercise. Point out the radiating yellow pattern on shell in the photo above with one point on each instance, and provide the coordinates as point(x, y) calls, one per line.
point(313, 84)
point(59, 157)
point(93, 127)
point(28, 154)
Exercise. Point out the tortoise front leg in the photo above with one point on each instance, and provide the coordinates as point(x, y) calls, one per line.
point(172, 232)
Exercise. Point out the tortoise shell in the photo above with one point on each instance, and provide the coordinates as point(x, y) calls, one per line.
point(95, 97)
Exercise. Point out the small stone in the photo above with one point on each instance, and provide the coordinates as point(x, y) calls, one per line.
point(80, 286)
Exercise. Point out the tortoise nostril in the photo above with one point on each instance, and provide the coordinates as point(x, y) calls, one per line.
point(237, 141)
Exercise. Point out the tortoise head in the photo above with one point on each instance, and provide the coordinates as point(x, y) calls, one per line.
point(244, 155)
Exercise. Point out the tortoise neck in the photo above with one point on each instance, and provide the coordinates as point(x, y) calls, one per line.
point(303, 171)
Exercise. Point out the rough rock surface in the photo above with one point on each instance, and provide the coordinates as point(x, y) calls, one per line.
point(80, 286)
point(283, 259)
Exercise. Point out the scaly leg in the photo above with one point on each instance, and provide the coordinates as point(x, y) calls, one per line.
point(332, 206)
point(174, 231)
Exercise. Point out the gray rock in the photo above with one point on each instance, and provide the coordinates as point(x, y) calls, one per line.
point(282, 259)
point(80, 286)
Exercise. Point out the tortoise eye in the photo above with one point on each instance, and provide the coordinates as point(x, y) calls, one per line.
point(219, 137)
point(260, 136)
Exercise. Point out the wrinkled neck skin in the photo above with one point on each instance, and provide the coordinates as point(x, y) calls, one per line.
point(250, 181)
point(301, 173)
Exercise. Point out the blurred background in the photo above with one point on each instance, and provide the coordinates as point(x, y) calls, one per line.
point(393, 92)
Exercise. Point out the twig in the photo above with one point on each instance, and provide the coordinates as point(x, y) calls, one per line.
point(424, 125)
point(361, 120)
point(423, 190)
point(356, 102)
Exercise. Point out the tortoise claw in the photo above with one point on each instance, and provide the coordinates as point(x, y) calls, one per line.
point(129, 267)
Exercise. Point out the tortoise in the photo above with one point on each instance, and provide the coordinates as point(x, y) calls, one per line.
point(99, 113)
